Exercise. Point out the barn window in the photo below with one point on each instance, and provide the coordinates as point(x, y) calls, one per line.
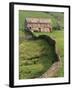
point(39, 29)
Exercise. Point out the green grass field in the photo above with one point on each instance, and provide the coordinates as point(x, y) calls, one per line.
point(35, 57)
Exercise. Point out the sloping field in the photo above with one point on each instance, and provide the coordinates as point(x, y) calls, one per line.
point(36, 56)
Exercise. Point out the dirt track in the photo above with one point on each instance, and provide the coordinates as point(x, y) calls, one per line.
point(52, 71)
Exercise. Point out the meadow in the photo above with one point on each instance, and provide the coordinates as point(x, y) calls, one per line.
point(36, 56)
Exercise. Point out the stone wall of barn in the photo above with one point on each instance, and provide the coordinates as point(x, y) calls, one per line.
point(39, 27)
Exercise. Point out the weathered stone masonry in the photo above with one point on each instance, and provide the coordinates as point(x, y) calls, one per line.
point(38, 24)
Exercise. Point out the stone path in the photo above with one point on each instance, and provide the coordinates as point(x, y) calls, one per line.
point(52, 72)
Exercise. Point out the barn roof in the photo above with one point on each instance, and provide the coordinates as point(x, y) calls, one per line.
point(38, 20)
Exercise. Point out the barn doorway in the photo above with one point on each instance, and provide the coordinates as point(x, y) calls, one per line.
point(29, 27)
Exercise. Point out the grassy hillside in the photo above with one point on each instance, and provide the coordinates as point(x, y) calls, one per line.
point(36, 56)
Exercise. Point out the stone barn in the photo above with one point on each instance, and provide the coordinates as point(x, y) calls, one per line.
point(38, 24)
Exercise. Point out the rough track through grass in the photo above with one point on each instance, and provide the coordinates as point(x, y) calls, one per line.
point(52, 71)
